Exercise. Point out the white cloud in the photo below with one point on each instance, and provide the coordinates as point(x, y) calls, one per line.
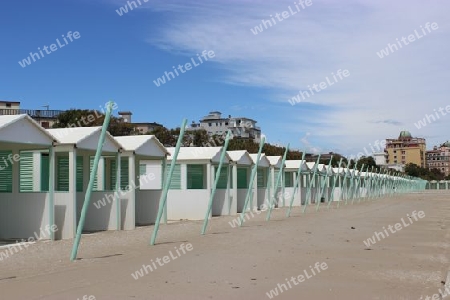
point(307, 47)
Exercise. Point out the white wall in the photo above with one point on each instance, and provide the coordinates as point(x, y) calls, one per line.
point(147, 204)
point(65, 213)
point(23, 215)
point(187, 204)
point(221, 203)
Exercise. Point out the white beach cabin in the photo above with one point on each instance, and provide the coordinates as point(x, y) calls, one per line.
point(291, 176)
point(261, 197)
point(275, 166)
point(145, 160)
point(74, 159)
point(241, 165)
point(192, 181)
point(26, 208)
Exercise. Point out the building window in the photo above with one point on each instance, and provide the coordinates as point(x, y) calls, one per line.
point(209, 124)
point(403, 152)
point(403, 157)
point(226, 123)
point(395, 151)
point(46, 125)
point(8, 105)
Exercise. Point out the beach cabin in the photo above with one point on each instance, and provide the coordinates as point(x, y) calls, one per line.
point(261, 197)
point(326, 182)
point(313, 180)
point(143, 160)
point(291, 176)
point(336, 181)
point(274, 170)
point(74, 160)
point(241, 167)
point(26, 200)
point(192, 182)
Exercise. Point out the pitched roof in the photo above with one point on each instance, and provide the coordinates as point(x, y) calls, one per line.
point(198, 153)
point(22, 129)
point(263, 160)
point(85, 138)
point(241, 157)
point(142, 144)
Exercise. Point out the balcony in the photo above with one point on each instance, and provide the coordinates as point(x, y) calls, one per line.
point(34, 113)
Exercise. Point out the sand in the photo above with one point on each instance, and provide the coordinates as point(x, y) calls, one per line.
point(248, 262)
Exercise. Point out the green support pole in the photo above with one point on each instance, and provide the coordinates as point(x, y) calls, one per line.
point(87, 198)
point(308, 191)
point(322, 188)
point(117, 190)
point(297, 182)
point(348, 193)
point(216, 181)
point(166, 185)
point(334, 184)
point(164, 165)
point(252, 178)
point(271, 204)
point(365, 183)
point(357, 182)
point(344, 184)
point(51, 189)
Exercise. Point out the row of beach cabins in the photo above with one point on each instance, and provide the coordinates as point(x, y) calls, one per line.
point(44, 174)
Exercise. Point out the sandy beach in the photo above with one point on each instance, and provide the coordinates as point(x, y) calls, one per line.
point(251, 261)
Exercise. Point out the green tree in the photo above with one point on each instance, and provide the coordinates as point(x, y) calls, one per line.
point(91, 118)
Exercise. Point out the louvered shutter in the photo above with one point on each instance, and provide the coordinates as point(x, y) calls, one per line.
point(223, 177)
point(5, 172)
point(124, 173)
point(91, 165)
point(45, 172)
point(26, 171)
point(79, 172)
point(262, 178)
point(62, 178)
point(195, 176)
point(242, 178)
point(289, 179)
point(175, 183)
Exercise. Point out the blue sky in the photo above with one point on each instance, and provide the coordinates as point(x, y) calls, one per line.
point(119, 57)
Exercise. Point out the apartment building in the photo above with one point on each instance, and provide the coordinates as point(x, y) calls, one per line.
point(241, 127)
point(141, 127)
point(439, 158)
point(406, 149)
point(45, 117)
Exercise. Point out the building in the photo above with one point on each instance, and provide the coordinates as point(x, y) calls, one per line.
point(142, 128)
point(241, 127)
point(380, 158)
point(439, 158)
point(46, 118)
point(406, 149)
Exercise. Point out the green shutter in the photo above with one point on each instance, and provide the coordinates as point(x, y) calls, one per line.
point(26, 171)
point(113, 175)
point(262, 178)
point(242, 178)
point(223, 177)
point(175, 183)
point(142, 169)
point(277, 171)
point(79, 173)
point(45, 172)
point(91, 165)
point(62, 173)
point(195, 175)
point(124, 173)
point(289, 179)
point(5, 172)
